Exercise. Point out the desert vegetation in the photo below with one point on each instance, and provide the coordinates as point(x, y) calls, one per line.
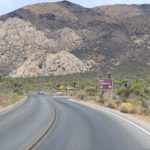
point(129, 95)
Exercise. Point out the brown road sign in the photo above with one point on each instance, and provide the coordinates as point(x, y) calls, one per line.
point(105, 84)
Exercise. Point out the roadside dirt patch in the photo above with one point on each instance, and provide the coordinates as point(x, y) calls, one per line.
point(142, 118)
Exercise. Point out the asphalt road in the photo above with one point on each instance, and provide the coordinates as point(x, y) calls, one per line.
point(77, 127)
point(20, 127)
point(82, 128)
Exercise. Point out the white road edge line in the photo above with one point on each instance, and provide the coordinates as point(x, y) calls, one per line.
point(130, 122)
point(118, 116)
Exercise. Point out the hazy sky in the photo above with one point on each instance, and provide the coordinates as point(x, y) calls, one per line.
point(10, 5)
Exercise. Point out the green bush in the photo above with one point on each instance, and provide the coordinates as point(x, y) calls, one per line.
point(125, 87)
point(91, 91)
point(137, 87)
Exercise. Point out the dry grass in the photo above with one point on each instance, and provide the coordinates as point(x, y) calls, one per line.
point(126, 108)
point(112, 105)
point(8, 99)
point(137, 108)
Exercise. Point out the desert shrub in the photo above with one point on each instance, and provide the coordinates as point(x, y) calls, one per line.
point(147, 90)
point(91, 91)
point(74, 85)
point(137, 88)
point(81, 96)
point(17, 91)
point(137, 108)
point(125, 87)
point(2, 78)
point(146, 112)
point(101, 101)
point(126, 108)
point(112, 105)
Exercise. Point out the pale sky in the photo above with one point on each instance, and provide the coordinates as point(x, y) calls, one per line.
point(10, 5)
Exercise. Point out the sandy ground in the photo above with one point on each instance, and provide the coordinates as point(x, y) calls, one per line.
point(142, 118)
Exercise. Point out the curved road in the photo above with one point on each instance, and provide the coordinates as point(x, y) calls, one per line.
point(77, 127)
point(20, 127)
point(82, 128)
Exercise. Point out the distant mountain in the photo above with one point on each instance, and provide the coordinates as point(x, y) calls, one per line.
point(62, 38)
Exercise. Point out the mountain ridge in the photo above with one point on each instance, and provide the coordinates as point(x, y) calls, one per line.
point(112, 37)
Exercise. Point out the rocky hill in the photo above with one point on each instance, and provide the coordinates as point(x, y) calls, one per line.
point(62, 38)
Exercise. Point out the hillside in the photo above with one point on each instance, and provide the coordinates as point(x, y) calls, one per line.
point(63, 38)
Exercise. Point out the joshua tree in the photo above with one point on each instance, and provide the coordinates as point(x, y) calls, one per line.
point(109, 74)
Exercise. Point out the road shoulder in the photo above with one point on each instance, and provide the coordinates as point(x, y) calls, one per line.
point(128, 117)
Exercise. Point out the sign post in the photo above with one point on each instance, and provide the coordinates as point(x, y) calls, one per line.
point(105, 85)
